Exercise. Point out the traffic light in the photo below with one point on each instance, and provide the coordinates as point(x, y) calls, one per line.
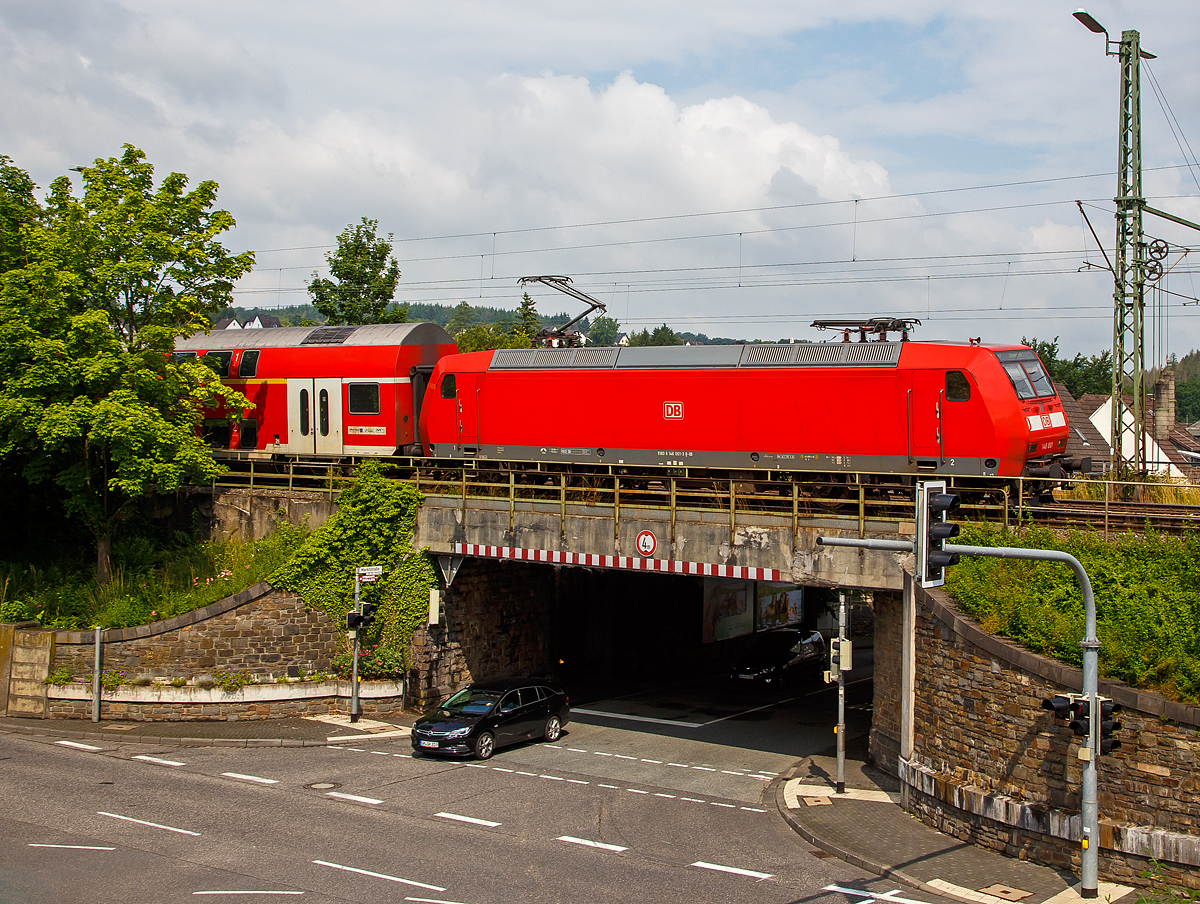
point(354, 621)
point(1060, 705)
point(1080, 717)
point(932, 532)
point(368, 614)
point(1108, 725)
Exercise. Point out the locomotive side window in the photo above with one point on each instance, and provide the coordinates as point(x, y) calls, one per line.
point(1027, 374)
point(957, 387)
point(323, 404)
point(248, 366)
point(218, 361)
point(448, 389)
point(304, 412)
point(363, 398)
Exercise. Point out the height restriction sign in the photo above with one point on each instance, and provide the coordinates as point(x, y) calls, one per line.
point(646, 543)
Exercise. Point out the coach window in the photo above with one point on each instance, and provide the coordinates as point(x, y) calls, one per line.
point(448, 389)
point(249, 363)
point(323, 403)
point(248, 436)
point(219, 361)
point(304, 412)
point(182, 356)
point(957, 387)
point(362, 398)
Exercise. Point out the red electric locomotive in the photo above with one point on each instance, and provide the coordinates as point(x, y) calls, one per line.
point(324, 390)
point(879, 406)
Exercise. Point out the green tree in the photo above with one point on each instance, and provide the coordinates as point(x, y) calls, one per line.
point(91, 400)
point(141, 254)
point(528, 321)
point(604, 331)
point(367, 276)
point(664, 335)
point(1081, 374)
point(461, 318)
point(1187, 402)
point(18, 209)
point(484, 336)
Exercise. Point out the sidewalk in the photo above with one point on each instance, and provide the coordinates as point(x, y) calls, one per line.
point(867, 828)
point(295, 732)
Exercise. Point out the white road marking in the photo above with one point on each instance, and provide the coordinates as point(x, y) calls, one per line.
point(74, 847)
point(530, 774)
point(77, 746)
point(636, 791)
point(692, 800)
point(476, 765)
point(251, 778)
point(660, 794)
point(154, 759)
point(886, 896)
point(576, 750)
point(680, 765)
point(433, 901)
point(607, 786)
point(142, 822)
point(675, 722)
point(704, 768)
point(727, 772)
point(553, 778)
point(380, 753)
point(753, 809)
point(577, 781)
point(356, 799)
point(715, 803)
point(406, 756)
point(598, 753)
point(655, 762)
point(592, 844)
point(621, 756)
point(355, 749)
point(471, 819)
point(331, 747)
point(753, 874)
point(553, 746)
point(367, 872)
point(748, 711)
point(501, 769)
point(247, 892)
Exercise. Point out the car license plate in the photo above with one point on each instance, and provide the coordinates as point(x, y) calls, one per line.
point(429, 743)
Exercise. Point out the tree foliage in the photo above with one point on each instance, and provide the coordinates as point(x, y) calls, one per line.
point(1081, 374)
point(367, 276)
point(604, 331)
point(91, 401)
point(662, 335)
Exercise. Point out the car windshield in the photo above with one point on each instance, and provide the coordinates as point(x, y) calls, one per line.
point(471, 702)
point(774, 643)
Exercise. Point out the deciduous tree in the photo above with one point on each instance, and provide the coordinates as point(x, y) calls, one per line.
point(366, 277)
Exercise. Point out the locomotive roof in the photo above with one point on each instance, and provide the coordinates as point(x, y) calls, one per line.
point(312, 336)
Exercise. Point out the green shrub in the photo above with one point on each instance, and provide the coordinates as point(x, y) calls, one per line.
point(1147, 592)
point(230, 681)
point(16, 611)
point(378, 663)
point(59, 677)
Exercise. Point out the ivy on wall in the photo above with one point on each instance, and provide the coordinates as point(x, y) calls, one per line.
point(373, 525)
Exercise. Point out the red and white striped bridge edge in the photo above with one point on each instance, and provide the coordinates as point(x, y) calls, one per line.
point(630, 563)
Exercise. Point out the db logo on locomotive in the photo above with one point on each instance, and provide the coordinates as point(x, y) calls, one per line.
point(673, 411)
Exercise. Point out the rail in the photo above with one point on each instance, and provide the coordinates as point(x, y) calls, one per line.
point(853, 500)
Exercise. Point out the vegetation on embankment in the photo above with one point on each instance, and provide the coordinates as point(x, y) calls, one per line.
point(1147, 591)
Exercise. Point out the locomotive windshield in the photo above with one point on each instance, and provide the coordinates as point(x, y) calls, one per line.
point(1028, 376)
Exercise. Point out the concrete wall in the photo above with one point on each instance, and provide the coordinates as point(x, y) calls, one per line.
point(247, 515)
point(259, 631)
point(990, 766)
point(25, 656)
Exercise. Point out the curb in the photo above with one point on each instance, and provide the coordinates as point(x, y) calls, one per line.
point(160, 741)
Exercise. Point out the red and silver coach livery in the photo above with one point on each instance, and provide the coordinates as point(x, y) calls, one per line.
point(323, 390)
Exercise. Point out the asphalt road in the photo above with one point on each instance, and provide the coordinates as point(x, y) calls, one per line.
point(633, 806)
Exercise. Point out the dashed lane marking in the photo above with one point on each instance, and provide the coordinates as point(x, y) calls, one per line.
point(74, 847)
point(251, 778)
point(879, 896)
point(247, 893)
point(358, 800)
point(616, 848)
point(374, 875)
point(753, 874)
point(157, 761)
point(636, 791)
point(553, 778)
point(578, 781)
point(77, 746)
point(432, 901)
point(153, 825)
point(471, 819)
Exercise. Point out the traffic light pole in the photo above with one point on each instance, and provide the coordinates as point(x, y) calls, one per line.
point(841, 677)
point(354, 656)
point(1089, 802)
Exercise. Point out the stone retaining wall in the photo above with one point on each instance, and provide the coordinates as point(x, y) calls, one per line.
point(990, 766)
point(260, 631)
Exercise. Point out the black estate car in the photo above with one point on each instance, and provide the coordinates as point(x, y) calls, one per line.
point(492, 714)
point(781, 654)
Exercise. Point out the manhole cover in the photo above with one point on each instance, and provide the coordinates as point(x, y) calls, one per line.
point(324, 786)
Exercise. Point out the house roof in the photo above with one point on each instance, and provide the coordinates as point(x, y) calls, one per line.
point(1083, 439)
point(1090, 401)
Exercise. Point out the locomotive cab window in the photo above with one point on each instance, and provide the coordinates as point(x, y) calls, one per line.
point(958, 389)
point(448, 388)
point(362, 398)
point(248, 366)
point(1028, 376)
point(218, 361)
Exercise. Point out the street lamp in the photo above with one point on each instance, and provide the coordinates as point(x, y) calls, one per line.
point(1092, 25)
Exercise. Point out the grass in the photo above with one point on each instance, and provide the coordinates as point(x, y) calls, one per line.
point(147, 585)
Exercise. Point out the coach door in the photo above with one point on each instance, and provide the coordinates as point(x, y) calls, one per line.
point(315, 416)
point(925, 419)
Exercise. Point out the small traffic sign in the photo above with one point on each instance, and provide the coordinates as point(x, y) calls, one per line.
point(646, 543)
point(368, 573)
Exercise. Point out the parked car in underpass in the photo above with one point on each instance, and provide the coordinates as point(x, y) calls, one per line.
point(781, 655)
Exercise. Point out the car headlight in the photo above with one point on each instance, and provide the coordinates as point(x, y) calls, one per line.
point(459, 733)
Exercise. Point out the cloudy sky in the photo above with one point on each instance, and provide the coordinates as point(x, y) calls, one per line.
point(734, 169)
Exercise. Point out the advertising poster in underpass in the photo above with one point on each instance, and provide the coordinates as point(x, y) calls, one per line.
point(728, 611)
point(779, 605)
